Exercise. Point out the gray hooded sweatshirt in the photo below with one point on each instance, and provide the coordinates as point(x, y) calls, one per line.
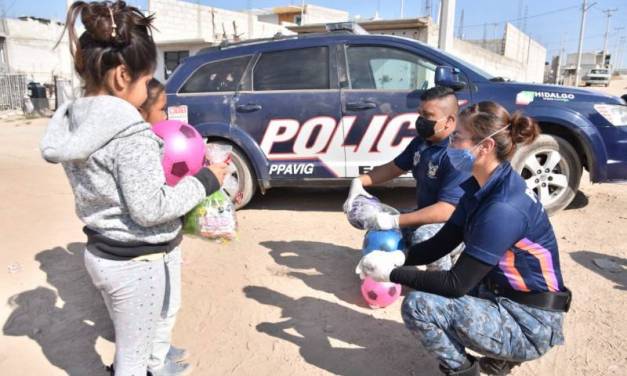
point(113, 162)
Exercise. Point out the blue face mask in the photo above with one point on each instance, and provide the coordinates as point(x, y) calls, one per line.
point(463, 159)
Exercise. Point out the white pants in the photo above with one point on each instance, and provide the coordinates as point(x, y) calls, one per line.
point(143, 298)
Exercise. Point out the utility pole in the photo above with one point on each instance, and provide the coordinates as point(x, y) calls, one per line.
point(428, 10)
point(460, 27)
point(249, 7)
point(614, 54)
point(584, 10)
point(402, 8)
point(619, 54)
point(607, 31)
point(438, 13)
point(447, 20)
point(559, 60)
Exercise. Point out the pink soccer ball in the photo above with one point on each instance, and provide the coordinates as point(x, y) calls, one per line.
point(379, 294)
point(184, 149)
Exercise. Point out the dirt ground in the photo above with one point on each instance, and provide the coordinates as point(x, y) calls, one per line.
point(283, 299)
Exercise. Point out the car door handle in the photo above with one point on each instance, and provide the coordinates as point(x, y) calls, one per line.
point(249, 107)
point(360, 106)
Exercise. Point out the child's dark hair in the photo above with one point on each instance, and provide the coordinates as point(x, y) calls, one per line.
point(155, 88)
point(115, 34)
point(485, 118)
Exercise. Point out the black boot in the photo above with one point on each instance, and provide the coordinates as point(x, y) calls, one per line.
point(111, 370)
point(496, 367)
point(468, 370)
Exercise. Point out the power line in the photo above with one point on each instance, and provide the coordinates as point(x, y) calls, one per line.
point(593, 36)
point(528, 17)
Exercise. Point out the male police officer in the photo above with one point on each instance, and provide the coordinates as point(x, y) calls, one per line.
point(437, 182)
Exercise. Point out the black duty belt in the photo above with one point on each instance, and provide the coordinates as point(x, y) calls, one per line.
point(552, 301)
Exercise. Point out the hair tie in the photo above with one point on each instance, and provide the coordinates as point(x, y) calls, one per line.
point(113, 25)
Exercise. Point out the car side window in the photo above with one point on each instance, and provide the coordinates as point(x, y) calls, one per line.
point(299, 69)
point(218, 76)
point(385, 68)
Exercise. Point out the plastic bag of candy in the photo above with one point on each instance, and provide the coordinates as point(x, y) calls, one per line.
point(213, 219)
point(363, 212)
point(221, 153)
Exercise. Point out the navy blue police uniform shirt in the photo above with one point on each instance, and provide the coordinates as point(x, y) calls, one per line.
point(505, 225)
point(436, 179)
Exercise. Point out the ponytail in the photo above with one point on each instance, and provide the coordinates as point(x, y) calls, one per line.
point(488, 119)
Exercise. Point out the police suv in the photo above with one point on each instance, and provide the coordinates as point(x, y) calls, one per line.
point(320, 109)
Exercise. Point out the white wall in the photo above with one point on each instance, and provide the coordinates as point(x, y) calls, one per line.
point(315, 14)
point(186, 26)
point(30, 50)
point(490, 62)
point(520, 47)
point(182, 20)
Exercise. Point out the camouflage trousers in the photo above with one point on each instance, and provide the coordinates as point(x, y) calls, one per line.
point(413, 236)
point(492, 326)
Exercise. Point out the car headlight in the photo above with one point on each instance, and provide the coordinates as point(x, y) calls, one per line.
point(614, 113)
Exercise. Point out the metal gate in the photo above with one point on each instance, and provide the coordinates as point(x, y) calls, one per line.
point(13, 90)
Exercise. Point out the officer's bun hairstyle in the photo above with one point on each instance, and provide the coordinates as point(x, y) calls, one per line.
point(484, 118)
point(115, 34)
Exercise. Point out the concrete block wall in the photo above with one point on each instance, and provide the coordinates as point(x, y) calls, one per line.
point(521, 47)
point(182, 20)
point(30, 50)
point(488, 61)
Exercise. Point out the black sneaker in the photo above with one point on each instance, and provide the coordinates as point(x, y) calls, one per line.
point(496, 367)
point(112, 371)
point(470, 370)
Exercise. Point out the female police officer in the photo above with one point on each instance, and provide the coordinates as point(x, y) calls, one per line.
point(505, 297)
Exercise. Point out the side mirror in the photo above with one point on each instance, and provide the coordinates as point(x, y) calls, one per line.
point(449, 77)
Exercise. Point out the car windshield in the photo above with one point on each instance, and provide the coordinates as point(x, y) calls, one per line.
point(599, 71)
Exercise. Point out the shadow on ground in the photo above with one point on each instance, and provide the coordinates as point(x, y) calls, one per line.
point(326, 199)
point(341, 340)
point(67, 322)
point(611, 267)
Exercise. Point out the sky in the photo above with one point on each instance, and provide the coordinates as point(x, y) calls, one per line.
point(555, 23)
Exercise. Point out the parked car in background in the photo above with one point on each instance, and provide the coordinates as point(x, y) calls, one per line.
point(599, 76)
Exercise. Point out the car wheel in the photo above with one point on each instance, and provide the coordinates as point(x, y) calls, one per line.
point(243, 174)
point(551, 168)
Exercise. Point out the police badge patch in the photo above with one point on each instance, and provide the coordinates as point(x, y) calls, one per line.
point(416, 158)
point(432, 170)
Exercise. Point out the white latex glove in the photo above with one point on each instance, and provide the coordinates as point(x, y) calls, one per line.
point(379, 264)
point(386, 221)
point(357, 189)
